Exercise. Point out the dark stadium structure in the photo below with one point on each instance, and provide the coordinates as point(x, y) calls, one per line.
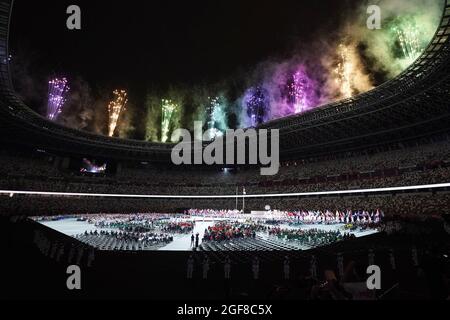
point(394, 136)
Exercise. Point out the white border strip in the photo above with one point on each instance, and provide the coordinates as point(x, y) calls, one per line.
point(282, 195)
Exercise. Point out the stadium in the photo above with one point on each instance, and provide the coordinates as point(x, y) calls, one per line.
point(364, 180)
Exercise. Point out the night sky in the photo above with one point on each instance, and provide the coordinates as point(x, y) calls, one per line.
point(137, 44)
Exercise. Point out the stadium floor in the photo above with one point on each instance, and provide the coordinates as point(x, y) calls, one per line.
point(71, 227)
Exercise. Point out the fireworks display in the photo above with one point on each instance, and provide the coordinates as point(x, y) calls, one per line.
point(408, 27)
point(213, 112)
point(57, 92)
point(216, 113)
point(257, 105)
point(345, 72)
point(299, 89)
point(352, 61)
point(168, 109)
point(115, 108)
point(408, 38)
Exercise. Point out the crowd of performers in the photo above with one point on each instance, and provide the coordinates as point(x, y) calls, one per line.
point(232, 224)
point(337, 217)
point(212, 213)
point(357, 217)
point(179, 221)
point(149, 239)
point(311, 237)
point(142, 223)
point(232, 230)
point(146, 229)
point(228, 231)
point(352, 220)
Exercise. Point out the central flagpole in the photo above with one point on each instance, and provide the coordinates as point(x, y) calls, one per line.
point(243, 201)
point(237, 197)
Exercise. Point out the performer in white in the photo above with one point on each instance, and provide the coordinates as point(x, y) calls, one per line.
point(205, 267)
point(415, 257)
point(286, 268)
point(60, 252)
point(313, 268)
point(71, 254)
point(227, 269)
point(371, 257)
point(54, 248)
point(91, 257)
point(255, 268)
point(190, 267)
point(392, 259)
point(340, 262)
point(80, 254)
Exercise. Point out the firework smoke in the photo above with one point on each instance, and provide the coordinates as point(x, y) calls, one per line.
point(153, 123)
point(79, 112)
point(127, 123)
point(400, 41)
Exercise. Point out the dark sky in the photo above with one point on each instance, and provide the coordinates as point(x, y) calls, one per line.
point(134, 44)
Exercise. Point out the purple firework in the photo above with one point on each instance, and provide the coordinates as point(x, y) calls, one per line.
point(57, 92)
point(299, 90)
point(257, 105)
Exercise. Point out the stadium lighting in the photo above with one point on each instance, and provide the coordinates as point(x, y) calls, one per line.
point(282, 195)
